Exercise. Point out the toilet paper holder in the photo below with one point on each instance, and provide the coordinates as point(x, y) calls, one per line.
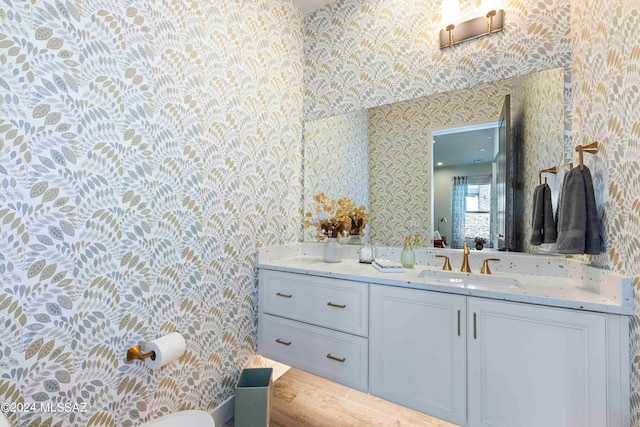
point(158, 352)
point(135, 353)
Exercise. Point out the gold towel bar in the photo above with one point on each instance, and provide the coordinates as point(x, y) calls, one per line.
point(553, 170)
point(589, 148)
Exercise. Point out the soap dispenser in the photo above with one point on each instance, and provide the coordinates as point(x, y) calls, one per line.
point(416, 242)
point(407, 257)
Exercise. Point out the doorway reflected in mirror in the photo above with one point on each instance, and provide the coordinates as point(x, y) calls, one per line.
point(470, 152)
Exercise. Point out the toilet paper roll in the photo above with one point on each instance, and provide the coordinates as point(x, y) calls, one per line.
point(167, 349)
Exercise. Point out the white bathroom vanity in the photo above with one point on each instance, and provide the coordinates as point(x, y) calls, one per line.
point(544, 340)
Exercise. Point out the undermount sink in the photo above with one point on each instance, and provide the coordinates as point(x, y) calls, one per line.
point(468, 280)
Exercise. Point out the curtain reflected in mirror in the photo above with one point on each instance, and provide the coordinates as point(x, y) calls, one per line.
point(472, 210)
point(458, 211)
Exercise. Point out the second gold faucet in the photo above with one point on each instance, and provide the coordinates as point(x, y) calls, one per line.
point(465, 261)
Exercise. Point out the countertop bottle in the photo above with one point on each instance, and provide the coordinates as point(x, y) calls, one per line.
point(407, 257)
point(416, 241)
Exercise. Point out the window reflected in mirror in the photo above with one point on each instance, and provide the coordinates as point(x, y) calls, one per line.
point(470, 152)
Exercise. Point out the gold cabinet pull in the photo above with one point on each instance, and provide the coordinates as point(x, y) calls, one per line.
point(330, 304)
point(280, 294)
point(475, 335)
point(458, 322)
point(279, 341)
point(337, 359)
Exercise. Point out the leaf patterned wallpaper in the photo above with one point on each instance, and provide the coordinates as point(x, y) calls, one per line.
point(541, 101)
point(362, 54)
point(336, 161)
point(146, 149)
point(401, 154)
point(606, 108)
point(366, 54)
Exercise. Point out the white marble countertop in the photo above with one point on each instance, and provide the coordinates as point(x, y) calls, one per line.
point(545, 280)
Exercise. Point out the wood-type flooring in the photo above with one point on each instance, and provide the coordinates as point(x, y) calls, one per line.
point(300, 399)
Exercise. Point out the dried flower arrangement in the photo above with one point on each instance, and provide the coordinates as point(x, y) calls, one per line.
point(336, 219)
point(359, 218)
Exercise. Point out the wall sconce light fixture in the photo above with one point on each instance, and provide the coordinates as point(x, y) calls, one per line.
point(491, 23)
point(442, 220)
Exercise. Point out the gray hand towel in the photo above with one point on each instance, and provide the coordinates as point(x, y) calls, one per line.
point(537, 217)
point(560, 194)
point(572, 218)
point(549, 232)
point(592, 234)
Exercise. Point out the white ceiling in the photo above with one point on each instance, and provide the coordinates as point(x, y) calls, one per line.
point(466, 146)
point(307, 6)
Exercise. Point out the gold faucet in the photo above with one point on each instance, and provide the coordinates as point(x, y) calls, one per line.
point(446, 266)
point(465, 261)
point(485, 266)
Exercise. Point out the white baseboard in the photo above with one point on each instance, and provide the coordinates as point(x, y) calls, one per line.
point(262, 362)
point(224, 412)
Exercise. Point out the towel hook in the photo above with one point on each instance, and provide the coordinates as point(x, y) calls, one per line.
point(589, 148)
point(553, 170)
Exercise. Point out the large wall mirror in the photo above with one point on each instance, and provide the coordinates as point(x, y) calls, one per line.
point(383, 158)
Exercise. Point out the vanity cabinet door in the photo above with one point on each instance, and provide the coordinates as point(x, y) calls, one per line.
point(535, 366)
point(417, 350)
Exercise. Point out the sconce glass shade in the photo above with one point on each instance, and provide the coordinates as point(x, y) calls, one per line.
point(472, 29)
point(488, 5)
point(450, 11)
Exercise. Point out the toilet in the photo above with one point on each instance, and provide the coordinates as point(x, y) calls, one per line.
point(191, 418)
point(4, 422)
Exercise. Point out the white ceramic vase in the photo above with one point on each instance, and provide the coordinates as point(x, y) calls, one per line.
point(332, 250)
point(355, 239)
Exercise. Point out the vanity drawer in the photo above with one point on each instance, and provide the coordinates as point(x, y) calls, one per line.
point(332, 303)
point(333, 355)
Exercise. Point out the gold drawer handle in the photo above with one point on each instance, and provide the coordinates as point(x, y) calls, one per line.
point(284, 295)
point(330, 304)
point(279, 341)
point(337, 359)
